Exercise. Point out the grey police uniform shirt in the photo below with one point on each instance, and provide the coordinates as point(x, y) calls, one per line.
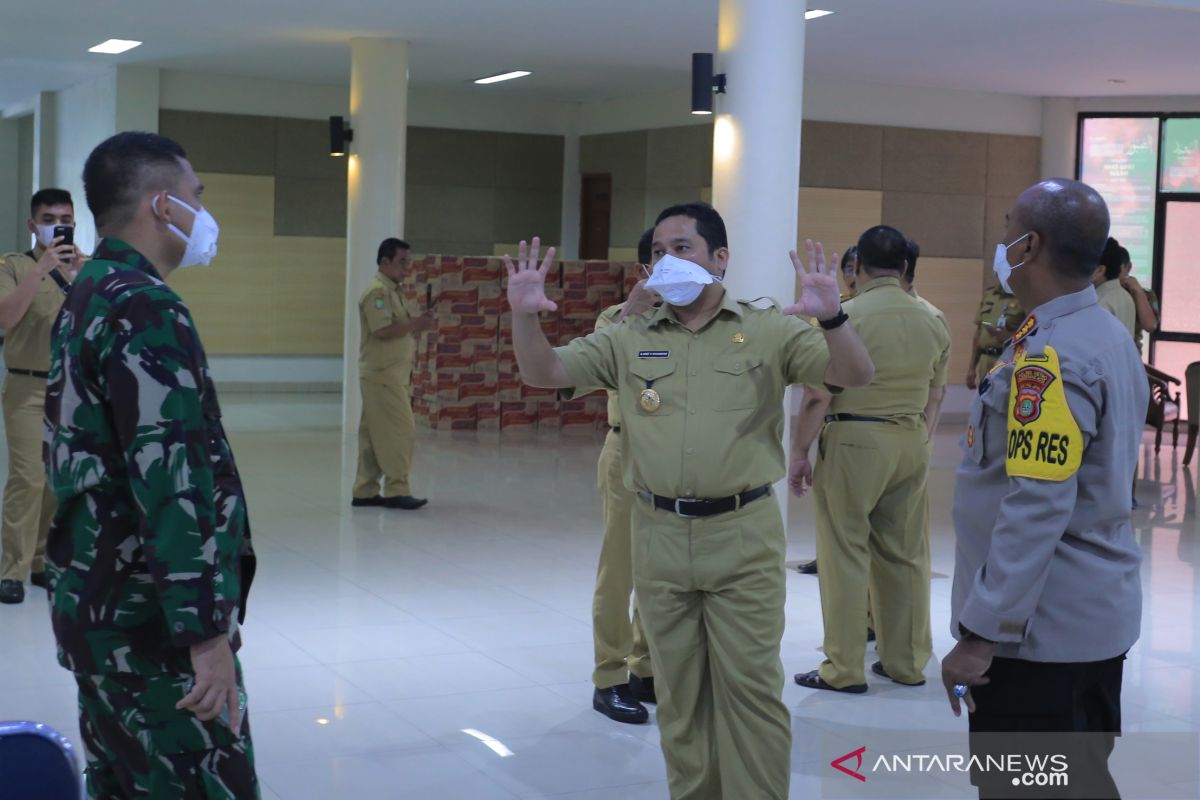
point(1048, 567)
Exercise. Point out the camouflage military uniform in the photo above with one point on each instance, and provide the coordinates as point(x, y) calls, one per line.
point(998, 318)
point(149, 552)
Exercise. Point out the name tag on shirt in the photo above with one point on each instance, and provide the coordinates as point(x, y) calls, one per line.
point(654, 354)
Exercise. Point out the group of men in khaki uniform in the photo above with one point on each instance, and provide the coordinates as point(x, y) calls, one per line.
point(33, 285)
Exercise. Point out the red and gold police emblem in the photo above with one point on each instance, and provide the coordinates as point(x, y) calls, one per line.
point(1031, 383)
point(1026, 327)
point(970, 436)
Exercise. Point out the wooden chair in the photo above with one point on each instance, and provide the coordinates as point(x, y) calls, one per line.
point(1163, 407)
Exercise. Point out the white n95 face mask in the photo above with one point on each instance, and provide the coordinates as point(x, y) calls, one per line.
point(202, 244)
point(1002, 268)
point(679, 281)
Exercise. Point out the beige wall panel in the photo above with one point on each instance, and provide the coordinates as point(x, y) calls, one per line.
point(525, 161)
point(230, 299)
point(309, 283)
point(444, 157)
point(621, 154)
point(622, 254)
point(628, 218)
point(224, 143)
point(841, 156)
point(952, 284)
point(1014, 163)
point(941, 162)
point(995, 209)
point(945, 225)
point(837, 217)
point(449, 213)
point(659, 199)
point(524, 213)
point(679, 156)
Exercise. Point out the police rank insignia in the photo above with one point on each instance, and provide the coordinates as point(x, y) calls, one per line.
point(1044, 440)
point(1026, 327)
point(650, 401)
point(739, 338)
point(970, 436)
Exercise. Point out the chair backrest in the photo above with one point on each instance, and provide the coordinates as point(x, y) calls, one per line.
point(37, 761)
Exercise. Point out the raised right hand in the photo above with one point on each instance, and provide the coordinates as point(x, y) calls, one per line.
point(527, 280)
point(56, 255)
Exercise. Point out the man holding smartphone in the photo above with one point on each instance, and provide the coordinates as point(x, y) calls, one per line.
point(32, 287)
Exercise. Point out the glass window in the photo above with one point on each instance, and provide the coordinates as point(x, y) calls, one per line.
point(1180, 268)
point(1181, 155)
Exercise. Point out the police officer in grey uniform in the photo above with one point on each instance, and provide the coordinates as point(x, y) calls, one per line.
point(1047, 592)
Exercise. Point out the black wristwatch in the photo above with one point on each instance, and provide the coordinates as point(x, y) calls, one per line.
point(835, 322)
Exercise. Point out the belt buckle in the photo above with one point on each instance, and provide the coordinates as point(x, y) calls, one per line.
point(679, 513)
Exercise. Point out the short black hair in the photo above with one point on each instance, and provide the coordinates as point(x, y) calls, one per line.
point(883, 249)
point(709, 224)
point(50, 197)
point(851, 253)
point(911, 254)
point(124, 168)
point(1072, 219)
point(388, 249)
point(645, 247)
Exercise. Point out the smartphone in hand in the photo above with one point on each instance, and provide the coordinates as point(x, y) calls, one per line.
point(67, 233)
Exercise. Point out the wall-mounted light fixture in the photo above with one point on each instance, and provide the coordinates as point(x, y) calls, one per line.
point(704, 83)
point(340, 135)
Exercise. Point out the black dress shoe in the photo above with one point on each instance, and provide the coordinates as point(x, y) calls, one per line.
point(878, 669)
point(807, 567)
point(359, 502)
point(643, 689)
point(870, 634)
point(406, 502)
point(618, 704)
point(813, 680)
point(39, 579)
point(12, 592)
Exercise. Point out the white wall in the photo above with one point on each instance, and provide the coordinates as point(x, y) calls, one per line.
point(10, 185)
point(87, 115)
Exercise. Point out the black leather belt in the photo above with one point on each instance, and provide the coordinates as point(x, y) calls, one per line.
point(857, 418)
point(615, 428)
point(29, 373)
point(692, 508)
point(991, 351)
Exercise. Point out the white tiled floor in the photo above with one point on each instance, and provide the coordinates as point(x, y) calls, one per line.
point(445, 653)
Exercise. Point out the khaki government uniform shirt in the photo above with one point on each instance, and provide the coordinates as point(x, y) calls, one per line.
point(384, 360)
point(910, 348)
point(998, 318)
point(609, 317)
point(27, 344)
point(718, 429)
point(931, 308)
point(1112, 296)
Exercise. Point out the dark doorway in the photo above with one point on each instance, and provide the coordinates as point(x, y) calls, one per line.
point(594, 216)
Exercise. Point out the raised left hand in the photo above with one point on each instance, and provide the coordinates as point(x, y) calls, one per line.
point(820, 296)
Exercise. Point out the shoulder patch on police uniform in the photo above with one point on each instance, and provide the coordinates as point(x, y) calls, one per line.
point(763, 303)
point(1025, 329)
point(1044, 441)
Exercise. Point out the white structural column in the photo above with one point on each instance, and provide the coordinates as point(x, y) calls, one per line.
point(1060, 116)
point(756, 146)
point(569, 247)
point(375, 195)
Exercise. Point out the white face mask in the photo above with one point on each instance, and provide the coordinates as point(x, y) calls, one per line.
point(45, 234)
point(202, 244)
point(1002, 268)
point(679, 282)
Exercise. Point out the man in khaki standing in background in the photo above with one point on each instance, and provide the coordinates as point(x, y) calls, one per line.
point(385, 364)
point(623, 676)
point(32, 287)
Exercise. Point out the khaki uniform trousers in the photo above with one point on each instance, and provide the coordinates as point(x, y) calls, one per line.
point(712, 593)
point(872, 512)
point(620, 645)
point(385, 439)
point(28, 499)
point(983, 367)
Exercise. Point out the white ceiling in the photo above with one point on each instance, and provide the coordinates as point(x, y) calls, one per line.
point(583, 50)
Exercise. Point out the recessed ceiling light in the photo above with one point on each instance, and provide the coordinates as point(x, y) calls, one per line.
point(1116, 80)
point(114, 46)
point(816, 13)
point(504, 76)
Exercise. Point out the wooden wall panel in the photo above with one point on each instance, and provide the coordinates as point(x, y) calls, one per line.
point(841, 156)
point(940, 162)
point(945, 225)
point(837, 217)
point(308, 286)
point(953, 285)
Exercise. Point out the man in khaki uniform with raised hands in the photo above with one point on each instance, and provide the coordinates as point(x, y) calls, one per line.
point(623, 676)
point(32, 288)
point(700, 384)
point(870, 479)
point(385, 364)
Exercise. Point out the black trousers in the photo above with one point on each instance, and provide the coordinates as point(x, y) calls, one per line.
point(1037, 709)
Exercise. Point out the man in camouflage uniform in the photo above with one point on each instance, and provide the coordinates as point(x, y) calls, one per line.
point(149, 557)
point(998, 318)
